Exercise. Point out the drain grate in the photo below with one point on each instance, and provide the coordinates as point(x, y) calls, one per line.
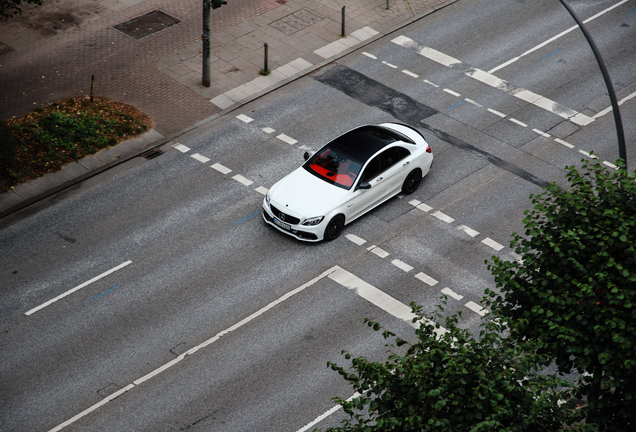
point(147, 24)
point(151, 154)
point(295, 22)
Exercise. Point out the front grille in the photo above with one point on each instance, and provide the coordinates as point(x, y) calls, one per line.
point(285, 217)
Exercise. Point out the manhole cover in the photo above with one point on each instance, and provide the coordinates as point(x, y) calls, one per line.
point(296, 21)
point(151, 154)
point(4, 49)
point(147, 24)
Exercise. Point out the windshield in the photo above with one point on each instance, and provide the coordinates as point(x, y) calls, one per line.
point(334, 165)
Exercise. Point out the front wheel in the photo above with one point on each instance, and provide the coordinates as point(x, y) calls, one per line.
point(412, 182)
point(334, 227)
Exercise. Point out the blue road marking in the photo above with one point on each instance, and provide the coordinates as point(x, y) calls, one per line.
point(456, 105)
point(101, 294)
point(246, 218)
point(552, 53)
point(631, 11)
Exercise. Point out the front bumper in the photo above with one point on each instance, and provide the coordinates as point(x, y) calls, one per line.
point(301, 232)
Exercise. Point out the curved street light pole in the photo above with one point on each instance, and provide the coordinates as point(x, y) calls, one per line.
point(622, 152)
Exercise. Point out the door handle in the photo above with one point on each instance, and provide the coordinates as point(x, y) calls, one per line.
point(381, 178)
point(406, 163)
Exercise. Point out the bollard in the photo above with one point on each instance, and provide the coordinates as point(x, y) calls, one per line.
point(342, 33)
point(387, 4)
point(92, 86)
point(265, 70)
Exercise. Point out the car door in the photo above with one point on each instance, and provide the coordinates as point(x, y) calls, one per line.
point(396, 168)
point(364, 199)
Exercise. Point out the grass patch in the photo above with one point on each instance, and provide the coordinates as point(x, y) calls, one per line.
point(49, 138)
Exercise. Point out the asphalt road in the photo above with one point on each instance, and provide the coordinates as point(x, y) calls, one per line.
point(204, 318)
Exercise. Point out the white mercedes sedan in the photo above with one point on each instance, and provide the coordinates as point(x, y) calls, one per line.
point(345, 179)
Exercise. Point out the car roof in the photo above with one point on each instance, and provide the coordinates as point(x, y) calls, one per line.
point(365, 141)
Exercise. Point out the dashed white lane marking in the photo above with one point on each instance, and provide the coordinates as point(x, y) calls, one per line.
point(369, 55)
point(471, 232)
point(451, 92)
point(196, 348)
point(409, 73)
point(495, 112)
point(495, 82)
point(389, 64)
point(402, 265)
point(221, 168)
point(200, 158)
point(609, 164)
point(583, 152)
point(424, 207)
point(474, 103)
point(79, 287)
point(449, 292)
point(288, 140)
point(493, 244)
point(426, 279)
point(444, 218)
point(357, 240)
point(476, 308)
point(520, 123)
point(552, 39)
point(239, 178)
point(321, 417)
point(620, 102)
point(244, 118)
point(181, 148)
point(431, 83)
point(379, 252)
point(269, 130)
point(378, 298)
point(565, 143)
point(543, 134)
point(262, 190)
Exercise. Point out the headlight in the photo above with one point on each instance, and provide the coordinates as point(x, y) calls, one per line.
point(267, 198)
point(313, 221)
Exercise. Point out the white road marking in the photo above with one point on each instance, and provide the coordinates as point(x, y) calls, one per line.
point(261, 190)
point(426, 279)
point(269, 130)
point(445, 218)
point(379, 252)
point(244, 118)
point(288, 140)
point(77, 288)
point(493, 244)
point(520, 123)
point(325, 415)
point(567, 144)
point(389, 64)
point(239, 178)
point(431, 83)
point(543, 134)
point(221, 168)
point(196, 348)
point(378, 298)
point(552, 39)
point(495, 82)
point(369, 55)
point(588, 154)
point(200, 158)
point(609, 164)
point(402, 265)
point(425, 208)
point(471, 232)
point(476, 308)
point(620, 102)
point(449, 292)
point(495, 112)
point(415, 202)
point(451, 92)
point(409, 73)
point(474, 103)
point(357, 240)
point(181, 148)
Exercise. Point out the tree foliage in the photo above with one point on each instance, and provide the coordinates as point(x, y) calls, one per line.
point(574, 290)
point(454, 382)
point(9, 8)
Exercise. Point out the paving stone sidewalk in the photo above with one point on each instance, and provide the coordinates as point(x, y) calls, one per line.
point(51, 52)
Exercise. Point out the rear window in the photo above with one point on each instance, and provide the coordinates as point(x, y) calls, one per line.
point(334, 165)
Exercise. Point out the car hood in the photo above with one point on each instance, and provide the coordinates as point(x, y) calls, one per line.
point(306, 195)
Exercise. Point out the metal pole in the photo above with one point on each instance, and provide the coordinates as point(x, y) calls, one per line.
point(387, 4)
point(342, 33)
point(206, 44)
point(622, 152)
point(92, 86)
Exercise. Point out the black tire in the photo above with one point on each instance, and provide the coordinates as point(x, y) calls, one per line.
point(334, 227)
point(412, 181)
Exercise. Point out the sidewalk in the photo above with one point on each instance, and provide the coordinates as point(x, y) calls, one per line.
point(51, 52)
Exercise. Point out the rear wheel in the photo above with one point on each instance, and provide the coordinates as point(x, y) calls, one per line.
point(334, 227)
point(412, 181)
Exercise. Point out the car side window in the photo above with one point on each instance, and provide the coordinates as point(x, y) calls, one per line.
point(372, 170)
point(394, 155)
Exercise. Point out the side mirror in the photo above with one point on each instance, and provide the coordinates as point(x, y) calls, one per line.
point(306, 156)
point(364, 185)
